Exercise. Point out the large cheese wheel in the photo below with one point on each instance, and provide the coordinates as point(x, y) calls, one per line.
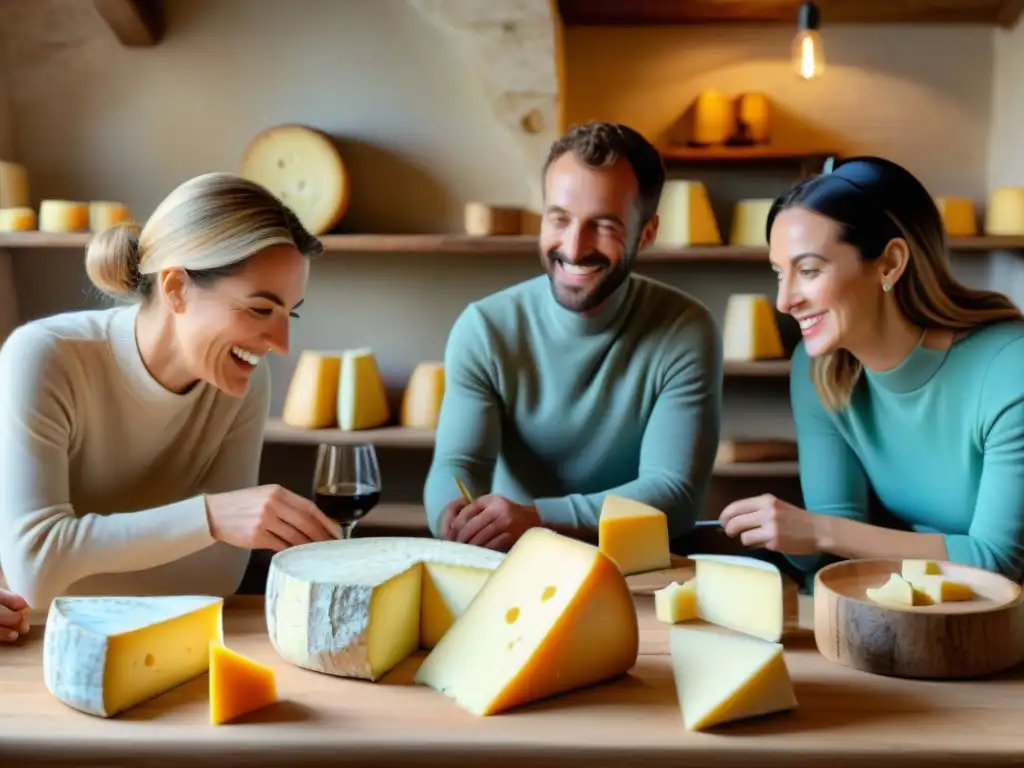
point(20, 219)
point(104, 214)
point(303, 168)
point(421, 403)
point(63, 216)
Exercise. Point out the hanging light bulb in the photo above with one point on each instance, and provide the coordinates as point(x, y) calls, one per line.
point(808, 50)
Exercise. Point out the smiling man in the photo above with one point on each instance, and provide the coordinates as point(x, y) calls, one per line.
point(586, 380)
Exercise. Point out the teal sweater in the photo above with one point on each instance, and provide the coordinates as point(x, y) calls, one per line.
point(940, 440)
point(555, 409)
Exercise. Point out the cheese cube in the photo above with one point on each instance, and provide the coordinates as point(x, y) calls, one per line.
point(17, 219)
point(1005, 214)
point(312, 398)
point(238, 685)
point(914, 569)
point(685, 216)
point(104, 214)
point(354, 607)
point(750, 331)
point(421, 403)
point(958, 216)
point(13, 185)
point(104, 655)
point(749, 221)
point(721, 676)
point(555, 616)
point(63, 216)
point(744, 594)
point(362, 398)
point(896, 591)
point(634, 535)
point(676, 602)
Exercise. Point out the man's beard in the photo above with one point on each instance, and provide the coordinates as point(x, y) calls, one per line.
point(581, 299)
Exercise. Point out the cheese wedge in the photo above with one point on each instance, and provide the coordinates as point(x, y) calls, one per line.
point(749, 223)
point(914, 569)
point(421, 402)
point(14, 185)
point(958, 216)
point(931, 589)
point(676, 602)
point(63, 216)
point(362, 398)
point(896, 591)
point(721, 676)
point(750, 331)
point(238, 685)
point(312, 398)
point(744, 594)
point(633, 535)
point(1005, 213)
point(685, 216)
point(354, 607)
point(104, 655)
point(555, 616)
point(104, 214)
point(17, 219)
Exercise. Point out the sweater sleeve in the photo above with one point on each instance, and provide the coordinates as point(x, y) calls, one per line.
point(832, 479)
point(469, 425)
point(680, 441)
point(995, 539)
point(45, 547)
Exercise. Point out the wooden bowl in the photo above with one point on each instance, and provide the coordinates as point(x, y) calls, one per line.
point(951, 640)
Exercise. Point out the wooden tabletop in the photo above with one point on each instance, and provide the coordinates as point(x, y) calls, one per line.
point(844, 718)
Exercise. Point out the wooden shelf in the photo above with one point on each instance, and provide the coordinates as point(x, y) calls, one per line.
point(675, 156)
point(757, 369)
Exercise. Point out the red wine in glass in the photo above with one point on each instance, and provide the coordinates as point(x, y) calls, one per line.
point(346, 485)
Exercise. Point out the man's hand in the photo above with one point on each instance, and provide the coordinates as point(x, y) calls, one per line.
point(13, 616)
point(492, 521)
point(765, 521)
point(448, 514)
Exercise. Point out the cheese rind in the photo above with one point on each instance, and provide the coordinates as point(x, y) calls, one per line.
point(312, 398)
point(685, 216)
point(104, 655)
point(421, 401)
point(63, 216)
point(744, 594)
point(750, 331)
point(721, 676)
point(555, 616)
point(362, 398)
point(238, 685)
point(676, 602)
point(634, 535)
point(353, 607)
point(17, 219)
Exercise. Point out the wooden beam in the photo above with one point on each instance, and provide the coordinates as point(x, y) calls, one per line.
point(136, 23)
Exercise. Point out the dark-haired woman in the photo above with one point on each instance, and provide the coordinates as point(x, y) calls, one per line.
point(906, 383)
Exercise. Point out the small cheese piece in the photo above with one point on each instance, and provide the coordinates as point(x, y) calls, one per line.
point(685, 216)
point(744, 594)
point(421, 402)
point(930, 589)
point(482, 220)
point(958, 216)
point(304, 169)
point(1005, 213)
point(446, 593)
point(238, 685)
point(14, 186)
point(555, 616)
point(676, 602)
point(633, 535)
point(312, 398)
point(104, 214)
point(362, 398)
point(353, 607)
point(896, 591)
point(104, 655)
point(63, 216)
point(750, 331)
point(914, 569)
point(749, 222)
point(17, 219)
point(722, 676)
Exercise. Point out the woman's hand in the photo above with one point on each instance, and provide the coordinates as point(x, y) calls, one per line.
point(768, 522)
point(267, 517)
point(13, 616)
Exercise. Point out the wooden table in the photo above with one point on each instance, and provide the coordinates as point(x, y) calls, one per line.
point(845, 718)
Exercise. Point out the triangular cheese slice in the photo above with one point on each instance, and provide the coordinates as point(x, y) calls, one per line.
point(238, 685)
point(362, 398)
point(446, 593)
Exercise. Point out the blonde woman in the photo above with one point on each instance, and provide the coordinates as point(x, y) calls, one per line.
point(130, 437)
point(907, 383)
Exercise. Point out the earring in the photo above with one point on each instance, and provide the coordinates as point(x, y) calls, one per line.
point(886, 287)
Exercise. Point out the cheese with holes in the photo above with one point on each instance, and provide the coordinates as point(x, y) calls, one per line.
point(311, 401)
point(958, 216)
point(17, 219)
point(238, 685)
point(555, 616)
point(744, 594)
point(750, 331)
point(104, 655)
point(749, 223)
point(634, 535)
point(362, 398)
point(1005, 213)
point(896, 591)
point(421, 402)
point(304, 169)
point(685, 216)
point(721, 676)
point(104, 214)
point(355, 607)
point(676, 602)
point(13, 185)
point(63, 216)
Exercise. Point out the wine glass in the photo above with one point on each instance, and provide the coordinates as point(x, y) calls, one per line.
point(346, 483)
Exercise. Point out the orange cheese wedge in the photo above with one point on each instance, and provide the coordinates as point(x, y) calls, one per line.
point(238, 685)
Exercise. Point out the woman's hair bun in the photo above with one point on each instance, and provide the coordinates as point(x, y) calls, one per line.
point(112, 260)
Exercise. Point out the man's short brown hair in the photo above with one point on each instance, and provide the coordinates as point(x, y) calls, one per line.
point(599, 144)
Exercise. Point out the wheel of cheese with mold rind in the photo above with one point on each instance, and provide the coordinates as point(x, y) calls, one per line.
point(304, 169)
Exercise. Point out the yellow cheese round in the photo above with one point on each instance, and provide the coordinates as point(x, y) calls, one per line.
point(17, 219)
point(1005, 214)
point(103, 215)
point(304, 169)
point(421, 403)
point(63, 216)
point(713, 119)
point(958, 216)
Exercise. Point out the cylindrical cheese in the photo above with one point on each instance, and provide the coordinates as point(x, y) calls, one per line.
point(713, 119)
point(753, 113)
point(421, 403)
point(13, 185)
point(103, 215)
point(17, 219)
point(958, 216)
point(1005, 214)
point(63, 216)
